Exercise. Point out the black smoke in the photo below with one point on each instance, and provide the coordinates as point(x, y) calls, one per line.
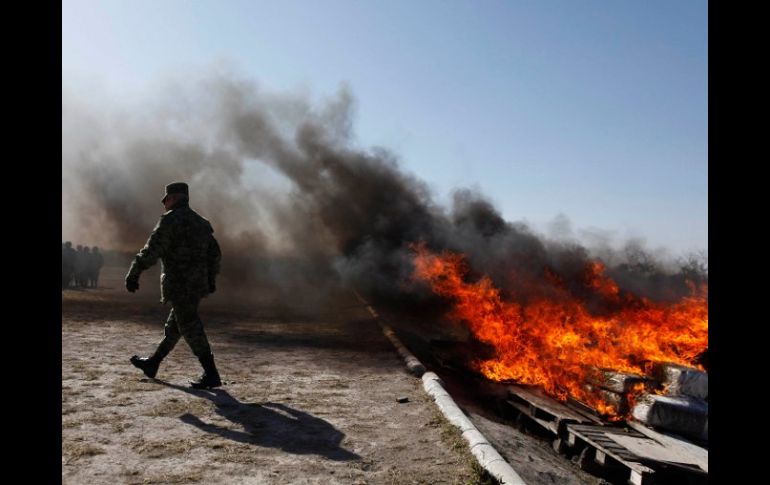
point(295, 202)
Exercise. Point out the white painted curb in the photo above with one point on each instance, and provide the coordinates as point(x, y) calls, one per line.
point(484, 452)
point(414, 365)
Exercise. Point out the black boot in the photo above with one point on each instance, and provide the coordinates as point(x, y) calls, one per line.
point(210, 377)
point(149, 365)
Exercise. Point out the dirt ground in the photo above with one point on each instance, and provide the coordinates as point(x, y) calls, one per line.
point(310, 397)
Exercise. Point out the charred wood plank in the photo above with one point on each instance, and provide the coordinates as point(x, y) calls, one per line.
point(585, 410)
point(543, 409)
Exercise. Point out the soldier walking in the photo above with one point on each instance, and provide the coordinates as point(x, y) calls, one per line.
point(190, 259)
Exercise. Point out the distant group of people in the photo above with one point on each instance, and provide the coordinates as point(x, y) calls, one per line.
point(80, 266)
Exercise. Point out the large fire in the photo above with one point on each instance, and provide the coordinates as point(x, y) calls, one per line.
point(555, 342)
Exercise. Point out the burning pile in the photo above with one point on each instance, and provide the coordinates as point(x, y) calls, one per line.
point(554, 341)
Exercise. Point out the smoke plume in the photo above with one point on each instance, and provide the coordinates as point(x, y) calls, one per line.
point(293, 200)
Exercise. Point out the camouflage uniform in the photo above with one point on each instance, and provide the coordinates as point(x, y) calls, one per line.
point(190, 259)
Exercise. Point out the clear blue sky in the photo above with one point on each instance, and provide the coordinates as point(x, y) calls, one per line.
point(596, 110)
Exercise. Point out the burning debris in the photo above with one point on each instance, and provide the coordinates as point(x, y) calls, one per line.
point(612, 403)
point(601, 358)
point(680, 404)
point(679, 380)
point(688, 417)
point(590, 364)
point(617, 382)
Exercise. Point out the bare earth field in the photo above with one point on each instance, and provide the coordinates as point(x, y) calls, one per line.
point(310, 398)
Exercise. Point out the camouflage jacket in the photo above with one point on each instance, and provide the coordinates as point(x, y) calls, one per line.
point(189, 254)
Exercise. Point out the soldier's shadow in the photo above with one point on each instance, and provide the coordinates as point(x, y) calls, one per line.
point(269, 424)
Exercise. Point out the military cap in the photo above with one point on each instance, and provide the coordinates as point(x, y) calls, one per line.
point(176, 188)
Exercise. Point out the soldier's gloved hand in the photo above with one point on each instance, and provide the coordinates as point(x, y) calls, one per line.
point(212, 286)
point(132, 284)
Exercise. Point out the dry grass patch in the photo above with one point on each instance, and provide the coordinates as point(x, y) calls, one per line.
point(175, 407)
point(131, 386)
point(91, 375)
point(120, 426)
point(161, 449)
point(71, 423)
point(97, 419)
point(451, 435)
point(238, 453)
point(190, 476)
point(75, 450)
point(121, 401)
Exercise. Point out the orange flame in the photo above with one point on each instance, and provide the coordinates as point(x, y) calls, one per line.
point(559, 345)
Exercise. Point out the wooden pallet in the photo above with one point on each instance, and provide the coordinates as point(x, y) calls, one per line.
point(622, 447)
point(546, 411)
point(681, 450)
point(597, 445)
point(630, 450)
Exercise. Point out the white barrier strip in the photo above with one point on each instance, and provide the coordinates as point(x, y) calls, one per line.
point(485, 453)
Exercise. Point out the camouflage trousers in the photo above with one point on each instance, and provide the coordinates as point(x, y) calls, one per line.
point(183, 321)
